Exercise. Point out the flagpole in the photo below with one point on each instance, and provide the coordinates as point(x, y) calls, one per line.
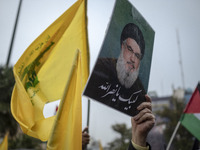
point(13, 35)
point(88, 111)
point(88, 114)
point(174, 133)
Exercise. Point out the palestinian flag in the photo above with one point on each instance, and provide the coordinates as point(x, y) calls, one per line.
point(191, 117)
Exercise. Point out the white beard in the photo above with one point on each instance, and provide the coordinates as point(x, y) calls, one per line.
point(126, 77)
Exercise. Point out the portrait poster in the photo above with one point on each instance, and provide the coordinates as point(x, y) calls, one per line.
point(120, 75)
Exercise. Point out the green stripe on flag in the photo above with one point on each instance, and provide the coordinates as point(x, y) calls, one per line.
point(192, 123)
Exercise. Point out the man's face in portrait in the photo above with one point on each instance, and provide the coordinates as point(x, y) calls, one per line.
point(128, 62)
point(132, 54)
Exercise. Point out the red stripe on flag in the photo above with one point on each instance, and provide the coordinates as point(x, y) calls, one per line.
point(194, 104)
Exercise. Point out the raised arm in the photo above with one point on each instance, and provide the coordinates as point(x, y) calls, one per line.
point(142, 123)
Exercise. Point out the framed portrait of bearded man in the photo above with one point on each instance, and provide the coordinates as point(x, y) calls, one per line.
point(120, 75)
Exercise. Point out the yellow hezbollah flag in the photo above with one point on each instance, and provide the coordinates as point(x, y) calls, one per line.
point(100, 146)
point(67, 132)
point(4, 143)
point(43, 70)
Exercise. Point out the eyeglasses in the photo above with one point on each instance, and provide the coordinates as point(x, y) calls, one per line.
point(129, 48)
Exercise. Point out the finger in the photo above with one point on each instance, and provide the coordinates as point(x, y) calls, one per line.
point(146, 117)
point(86, 140)
point(144, 105)
point(133, 121)
point(148, 99)
point(142, 113)
point(85, 130)
point(85, 135)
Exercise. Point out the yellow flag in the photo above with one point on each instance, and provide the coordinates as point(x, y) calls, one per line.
point(43, 70)
point(67, 132)
point(4, 143)
point(100, 146)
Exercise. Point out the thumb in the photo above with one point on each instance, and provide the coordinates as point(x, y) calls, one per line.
point(85, 130)
point(148, 99)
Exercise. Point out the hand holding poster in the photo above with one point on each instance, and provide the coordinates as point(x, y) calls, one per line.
point(121, 74)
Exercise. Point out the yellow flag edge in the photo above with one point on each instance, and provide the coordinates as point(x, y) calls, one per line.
point(76, 57)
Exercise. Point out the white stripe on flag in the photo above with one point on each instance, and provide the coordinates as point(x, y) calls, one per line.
point(197, 115)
